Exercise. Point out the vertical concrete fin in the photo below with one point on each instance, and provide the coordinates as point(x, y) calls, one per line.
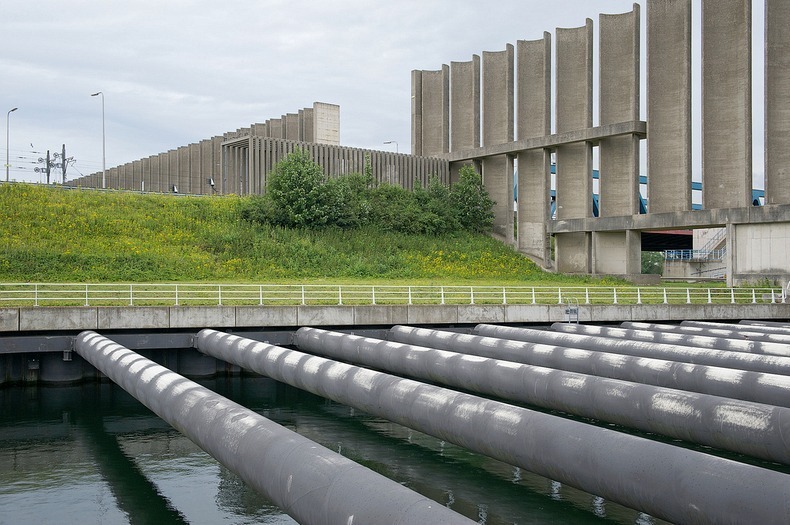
point(534, 172)
point(669, 105)
point(777, 102)
point(431, 112)
point(619, 102)
point(465, 104)
point(726, 103)
point(498, 128)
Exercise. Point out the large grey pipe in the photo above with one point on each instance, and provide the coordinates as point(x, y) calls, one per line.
point(768, 324)
point(778, 330)
point(669, 482)
point(309, 482)
point(676, 338)
point(716, 330)
point(698, 356)
point(749, 386)
point(748, 428)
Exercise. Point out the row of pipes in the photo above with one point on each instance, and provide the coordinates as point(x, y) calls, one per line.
point(720, 386)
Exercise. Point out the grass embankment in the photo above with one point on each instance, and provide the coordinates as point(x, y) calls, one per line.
point(54, 235)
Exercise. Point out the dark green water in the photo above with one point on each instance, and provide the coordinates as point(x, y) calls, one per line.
point(93, 454)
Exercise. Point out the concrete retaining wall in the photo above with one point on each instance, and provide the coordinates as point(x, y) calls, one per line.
point(182, 317)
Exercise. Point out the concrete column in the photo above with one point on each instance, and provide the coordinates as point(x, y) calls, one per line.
point(416, 112)
point(498, 124)
point(669, 105)
point(291, 126)
point(726, 103)
point(276, 127)
point(464, 107)
point(197, 184)
point(431, 112)
point(533, 117)
point(137, 174)
point(574, 162)
point(326, 118)
point(206, 166)
point(183, 169)
point(308, 125)
point(156, 173)
point(619, 252)
point(145, 174)
point(777, 102)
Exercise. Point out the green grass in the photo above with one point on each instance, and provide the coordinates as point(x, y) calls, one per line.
point(55, 235)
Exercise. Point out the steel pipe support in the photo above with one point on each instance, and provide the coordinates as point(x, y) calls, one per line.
point(753, 429)
point(669, 482)
point(311, 483)
point(771, 389)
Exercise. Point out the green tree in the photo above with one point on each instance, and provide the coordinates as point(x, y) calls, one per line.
point(296, 191)
point(472, 202)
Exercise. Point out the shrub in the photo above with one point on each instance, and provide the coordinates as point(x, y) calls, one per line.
point(297, 193)
point(471, 201)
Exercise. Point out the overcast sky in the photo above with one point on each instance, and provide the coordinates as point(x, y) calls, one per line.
point(178, 71)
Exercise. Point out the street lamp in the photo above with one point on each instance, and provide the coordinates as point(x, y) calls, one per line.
point(393, 142)
point(103, 154)
point(7, 120)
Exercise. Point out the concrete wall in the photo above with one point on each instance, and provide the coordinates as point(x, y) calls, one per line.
point(777, 102)
point(533, 119)
point(726, 103)
point(669, 105)
point(761, 251)
point(498, 128)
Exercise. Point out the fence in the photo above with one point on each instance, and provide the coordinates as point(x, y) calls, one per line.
point(142, 294)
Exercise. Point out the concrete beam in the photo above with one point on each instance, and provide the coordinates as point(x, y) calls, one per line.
point(676, 220)
point(592, 135)
point(726, 103)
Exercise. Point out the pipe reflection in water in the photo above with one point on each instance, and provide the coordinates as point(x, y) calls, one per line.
point(52, 467)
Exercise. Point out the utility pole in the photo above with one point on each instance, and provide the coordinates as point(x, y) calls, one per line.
point(53, 162)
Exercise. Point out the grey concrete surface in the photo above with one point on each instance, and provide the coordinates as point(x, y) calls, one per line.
point(726, 103)
point(777, 102)
point(669, 105)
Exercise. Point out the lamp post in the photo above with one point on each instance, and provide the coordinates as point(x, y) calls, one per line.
point(7, 128)
point(393, 142)
point(103, 154)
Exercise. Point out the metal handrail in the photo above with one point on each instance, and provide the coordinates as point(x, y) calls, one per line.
point(199, 294)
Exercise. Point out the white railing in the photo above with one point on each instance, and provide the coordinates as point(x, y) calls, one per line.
point(153, 294)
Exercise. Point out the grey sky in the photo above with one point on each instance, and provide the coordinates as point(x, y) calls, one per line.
point(178, 71)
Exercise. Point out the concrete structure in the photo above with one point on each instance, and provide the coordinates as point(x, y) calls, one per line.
point(240, 161)
point(726, 103)
point(498, 129)
point(533, 119)
point(611, 243)
point(777, 102)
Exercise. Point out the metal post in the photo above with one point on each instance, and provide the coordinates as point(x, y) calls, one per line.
point(7, 134)
point(103, 144)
